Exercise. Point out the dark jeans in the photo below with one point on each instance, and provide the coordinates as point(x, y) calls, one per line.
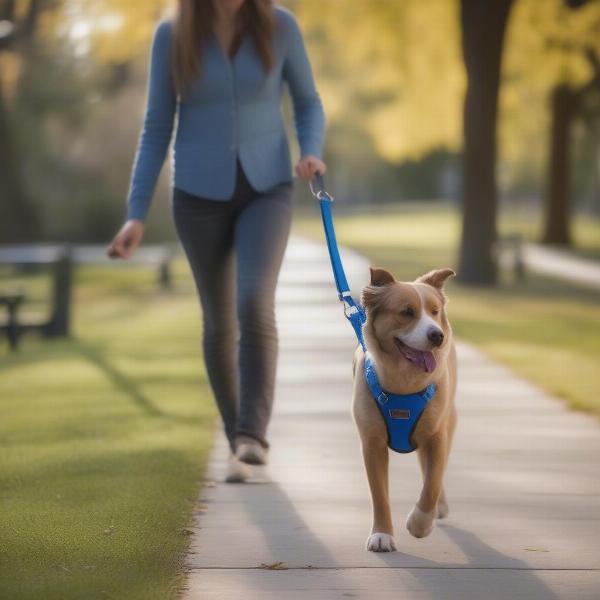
point(235, 249)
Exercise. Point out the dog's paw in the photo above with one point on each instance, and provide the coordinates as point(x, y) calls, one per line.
point(381, 542)
point(420, 523)
point(442, 509)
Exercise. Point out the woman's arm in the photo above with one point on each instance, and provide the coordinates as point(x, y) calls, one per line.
point(158, 126)
point(308, 110)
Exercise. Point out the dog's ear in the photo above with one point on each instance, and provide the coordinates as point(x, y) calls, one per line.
point(373, 294)
point(436, 278)
point(380, 276)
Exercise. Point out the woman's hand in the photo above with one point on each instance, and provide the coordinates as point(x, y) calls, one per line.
point(308, 166)
point(127, 240)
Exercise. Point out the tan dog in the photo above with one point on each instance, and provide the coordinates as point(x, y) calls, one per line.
point(410, 340)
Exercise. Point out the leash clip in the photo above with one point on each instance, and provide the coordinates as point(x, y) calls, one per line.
point(317, 188)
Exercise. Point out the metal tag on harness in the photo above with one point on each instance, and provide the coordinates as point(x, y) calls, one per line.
point(399, 413)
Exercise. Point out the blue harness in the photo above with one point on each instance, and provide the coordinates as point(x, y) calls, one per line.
point(400, 412)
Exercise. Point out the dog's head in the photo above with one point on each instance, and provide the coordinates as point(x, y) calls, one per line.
point(407, 320)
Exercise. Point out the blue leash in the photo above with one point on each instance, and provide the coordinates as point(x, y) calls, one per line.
point(353, 311)
point(401, 412)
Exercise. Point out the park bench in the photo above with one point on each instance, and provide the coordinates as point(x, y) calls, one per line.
point(59, 259)
point(55, 258)
point(510, 254)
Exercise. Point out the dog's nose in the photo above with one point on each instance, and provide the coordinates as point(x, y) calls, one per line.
point(435, 336)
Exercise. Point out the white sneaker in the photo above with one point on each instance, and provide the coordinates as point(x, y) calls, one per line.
point(250, 451)
point(237, 471)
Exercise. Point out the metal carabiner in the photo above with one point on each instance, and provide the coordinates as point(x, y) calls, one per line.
point(317, 188)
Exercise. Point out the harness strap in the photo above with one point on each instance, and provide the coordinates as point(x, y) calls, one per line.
point(373, 381)
point(381, 395)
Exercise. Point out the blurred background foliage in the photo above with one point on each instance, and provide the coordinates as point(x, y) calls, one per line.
point(391, 75)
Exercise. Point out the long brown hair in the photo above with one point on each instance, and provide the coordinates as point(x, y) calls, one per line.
point(193, 23)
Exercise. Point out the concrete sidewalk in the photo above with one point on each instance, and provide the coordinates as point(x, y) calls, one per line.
point(523, 483)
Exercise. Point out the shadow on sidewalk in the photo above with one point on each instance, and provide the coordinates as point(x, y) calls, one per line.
point(292, 530)
point(285, 532)
point(527, 585)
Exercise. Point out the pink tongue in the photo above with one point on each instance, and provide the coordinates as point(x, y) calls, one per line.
point(423, 359)
point(429, 361)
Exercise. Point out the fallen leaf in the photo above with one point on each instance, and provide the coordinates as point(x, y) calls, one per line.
point(276, 566)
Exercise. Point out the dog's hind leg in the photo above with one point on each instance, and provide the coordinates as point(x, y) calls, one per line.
point(433, 456)
point(443, 509)
point(376, 458)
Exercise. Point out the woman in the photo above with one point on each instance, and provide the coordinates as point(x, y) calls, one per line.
point(219, 65)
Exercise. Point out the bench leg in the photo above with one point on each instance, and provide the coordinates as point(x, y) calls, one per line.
point(12, 329)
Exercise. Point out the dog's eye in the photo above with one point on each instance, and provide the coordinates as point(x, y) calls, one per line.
point(435, 311)
point(407, 312)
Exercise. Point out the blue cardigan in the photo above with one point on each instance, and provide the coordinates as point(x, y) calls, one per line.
point(233, 109)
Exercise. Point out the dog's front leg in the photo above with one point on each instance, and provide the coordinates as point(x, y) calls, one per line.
point(433, 457)
point(376, 458)
point(442, 508)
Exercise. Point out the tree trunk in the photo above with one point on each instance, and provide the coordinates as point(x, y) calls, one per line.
point(557, 216)
point(483, 25)
point(18, 219)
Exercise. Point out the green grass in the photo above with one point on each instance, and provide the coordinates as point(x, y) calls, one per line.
point(545, 329)
point(104, 439)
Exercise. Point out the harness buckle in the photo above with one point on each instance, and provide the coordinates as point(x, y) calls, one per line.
point(350, 307)
point(349, 310)
point(382, 398)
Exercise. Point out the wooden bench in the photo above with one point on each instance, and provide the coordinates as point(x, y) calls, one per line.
point(56, 259)
point(60, 259)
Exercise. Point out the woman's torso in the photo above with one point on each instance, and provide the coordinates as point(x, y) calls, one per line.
point(232, 111)
point(234, 108)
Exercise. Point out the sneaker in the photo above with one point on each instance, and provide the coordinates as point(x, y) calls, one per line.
point(237, 471)
point(250, 451)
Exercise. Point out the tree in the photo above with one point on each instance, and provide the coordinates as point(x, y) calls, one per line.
point(18, 220)
point(550, 76)
point(400, 75)
point(565, 103)
point(483, 26)
point(86, 44)
point(409, 93)
point(395, 92)
point(407, 96)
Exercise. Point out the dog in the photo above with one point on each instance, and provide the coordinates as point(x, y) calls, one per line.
point(409, 339)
